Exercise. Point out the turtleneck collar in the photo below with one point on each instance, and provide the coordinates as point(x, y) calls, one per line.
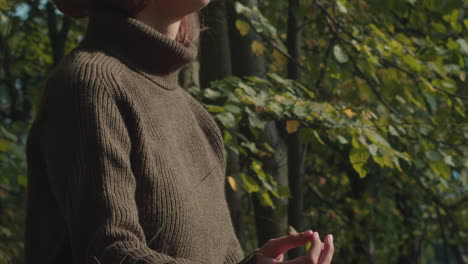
point(140, 46)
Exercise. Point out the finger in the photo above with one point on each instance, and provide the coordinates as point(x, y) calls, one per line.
point(314, 251)
point(327, 253)
point(277, 246)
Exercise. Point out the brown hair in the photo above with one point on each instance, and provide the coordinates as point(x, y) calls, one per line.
point(189, 27)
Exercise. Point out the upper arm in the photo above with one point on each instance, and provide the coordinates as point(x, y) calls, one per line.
point(87, 151)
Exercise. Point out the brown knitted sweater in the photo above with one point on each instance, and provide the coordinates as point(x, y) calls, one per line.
point(125, 166)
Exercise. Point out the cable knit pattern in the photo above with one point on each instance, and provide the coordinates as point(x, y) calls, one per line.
point(125, 166)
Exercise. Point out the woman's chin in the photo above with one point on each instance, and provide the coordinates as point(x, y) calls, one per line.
point(181, 8)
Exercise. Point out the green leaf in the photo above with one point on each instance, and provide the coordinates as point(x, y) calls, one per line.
point(341, 7)
point(265, 199)
point(358, 158)
point(439, 27)
point(248, 90)
point(342, 140)
point(250, 183)
point(8, 134)
point(300, 110)
point(318, 137)
point(236, 150)
point(463, 46)
point(22, 180)
point(250, 145)
point(373, 149)
point(256, 122)
point(413, 62)
point(233, 108)
point(5, 145)
point(215, 108)
point(431, 102)
point(393, 131)
point(227, 119)
point(257, 167)
point(5, 232)
point(211, 94)
point(4, 5)
point(240, 8)
point(433, 155)
point(227, 137)
point(340, 54)
point(377, 139)
point(441, 169)
point(449, 160)
point(384, 161)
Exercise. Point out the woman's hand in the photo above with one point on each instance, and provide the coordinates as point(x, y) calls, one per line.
point(319, 253)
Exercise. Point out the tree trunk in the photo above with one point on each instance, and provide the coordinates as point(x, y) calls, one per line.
point(244, 61)
point(8, 78)
point(273, 223)
point(215, 64)
point(295, 157)
point(411, 248)
point(58, 37)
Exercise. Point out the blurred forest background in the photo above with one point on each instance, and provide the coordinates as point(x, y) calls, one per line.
point(343, 116)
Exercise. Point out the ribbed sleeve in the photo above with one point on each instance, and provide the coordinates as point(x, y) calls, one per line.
point(250, 257)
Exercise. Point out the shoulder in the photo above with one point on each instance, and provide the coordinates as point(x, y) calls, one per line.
point(85, 70)
point(82, 84)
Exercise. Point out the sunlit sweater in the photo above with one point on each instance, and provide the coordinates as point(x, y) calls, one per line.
point(124, 164)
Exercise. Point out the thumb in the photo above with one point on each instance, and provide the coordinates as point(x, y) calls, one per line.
point(277, 246)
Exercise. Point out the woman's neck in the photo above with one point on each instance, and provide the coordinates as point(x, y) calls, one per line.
point(167, 26)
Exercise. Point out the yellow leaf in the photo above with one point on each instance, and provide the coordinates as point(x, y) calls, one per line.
point(292, 126)
point(243, 27)
point(258, 48)
point(233, 183)
point(349, 113)
point(307, 246)
point(463, 76)
point(279, 98)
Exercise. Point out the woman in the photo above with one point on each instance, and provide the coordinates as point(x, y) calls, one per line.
point(124, 166)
